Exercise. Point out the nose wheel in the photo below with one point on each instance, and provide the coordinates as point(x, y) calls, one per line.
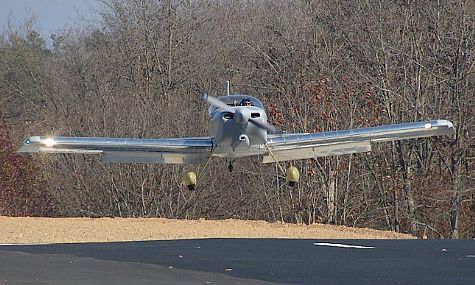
point(230, 166)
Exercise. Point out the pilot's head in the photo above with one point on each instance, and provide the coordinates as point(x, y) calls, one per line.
point(246, 102)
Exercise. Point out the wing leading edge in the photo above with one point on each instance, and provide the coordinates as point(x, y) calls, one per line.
point(171, 150)
point(310, 145)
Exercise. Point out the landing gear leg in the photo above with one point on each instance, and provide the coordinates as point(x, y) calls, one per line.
point(191, 177)
point(292, 174)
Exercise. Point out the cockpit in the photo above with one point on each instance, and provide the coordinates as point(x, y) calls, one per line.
point(238, 100)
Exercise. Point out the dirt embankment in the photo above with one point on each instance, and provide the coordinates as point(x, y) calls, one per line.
point(72, 230)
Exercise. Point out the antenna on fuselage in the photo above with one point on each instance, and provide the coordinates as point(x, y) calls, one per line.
point(227, 86)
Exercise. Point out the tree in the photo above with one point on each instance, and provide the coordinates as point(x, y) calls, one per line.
point(318, 66)
point(23, 190)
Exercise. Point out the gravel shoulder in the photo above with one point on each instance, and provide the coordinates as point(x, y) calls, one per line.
point(21, 230)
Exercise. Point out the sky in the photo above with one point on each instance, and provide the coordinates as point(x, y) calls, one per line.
point(51, 15)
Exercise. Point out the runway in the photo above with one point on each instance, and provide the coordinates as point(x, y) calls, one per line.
point(242, 261)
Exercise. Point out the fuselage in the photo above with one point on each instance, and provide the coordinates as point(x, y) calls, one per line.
point(233, 133)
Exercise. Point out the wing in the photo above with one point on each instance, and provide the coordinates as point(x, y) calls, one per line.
point(309, 145)
point(172, 150)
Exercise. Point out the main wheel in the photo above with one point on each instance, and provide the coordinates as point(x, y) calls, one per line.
point(190, 180)
point(293, 176)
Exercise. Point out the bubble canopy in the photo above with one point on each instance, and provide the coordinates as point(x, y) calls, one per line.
point(235, 100)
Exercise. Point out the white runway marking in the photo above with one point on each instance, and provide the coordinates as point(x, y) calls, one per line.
point(342, 245)
point(21, 244)
point(472, 255)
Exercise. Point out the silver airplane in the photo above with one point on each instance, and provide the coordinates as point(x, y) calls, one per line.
point(238, 127)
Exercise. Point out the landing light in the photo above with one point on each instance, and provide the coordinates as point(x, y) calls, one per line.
point(49, 142)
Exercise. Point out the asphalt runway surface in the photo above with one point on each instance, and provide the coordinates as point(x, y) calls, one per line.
point(242, 261)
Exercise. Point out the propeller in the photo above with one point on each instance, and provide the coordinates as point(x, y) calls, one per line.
point(217, 103)
point(221, 105)
point(264, 125)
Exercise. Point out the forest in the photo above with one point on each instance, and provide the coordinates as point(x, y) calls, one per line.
point(317, 66)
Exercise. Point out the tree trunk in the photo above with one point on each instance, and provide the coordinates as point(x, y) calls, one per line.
point(407, 187)
point(455, 200)
point(331, 197)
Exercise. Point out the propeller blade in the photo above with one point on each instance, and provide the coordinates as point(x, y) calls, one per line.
point(217, 103)
point(264, 125)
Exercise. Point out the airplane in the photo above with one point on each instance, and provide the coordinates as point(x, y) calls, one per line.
point(238, 127)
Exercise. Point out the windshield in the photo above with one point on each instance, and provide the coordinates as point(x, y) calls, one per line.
point(238, 100)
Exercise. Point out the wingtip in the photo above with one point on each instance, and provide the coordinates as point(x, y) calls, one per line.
point(205, 97)
point(445, 124)
point(30, 145)
point(27, 148)
point(450, 125)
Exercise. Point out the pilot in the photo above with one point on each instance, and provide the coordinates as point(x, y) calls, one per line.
point(246, 102)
